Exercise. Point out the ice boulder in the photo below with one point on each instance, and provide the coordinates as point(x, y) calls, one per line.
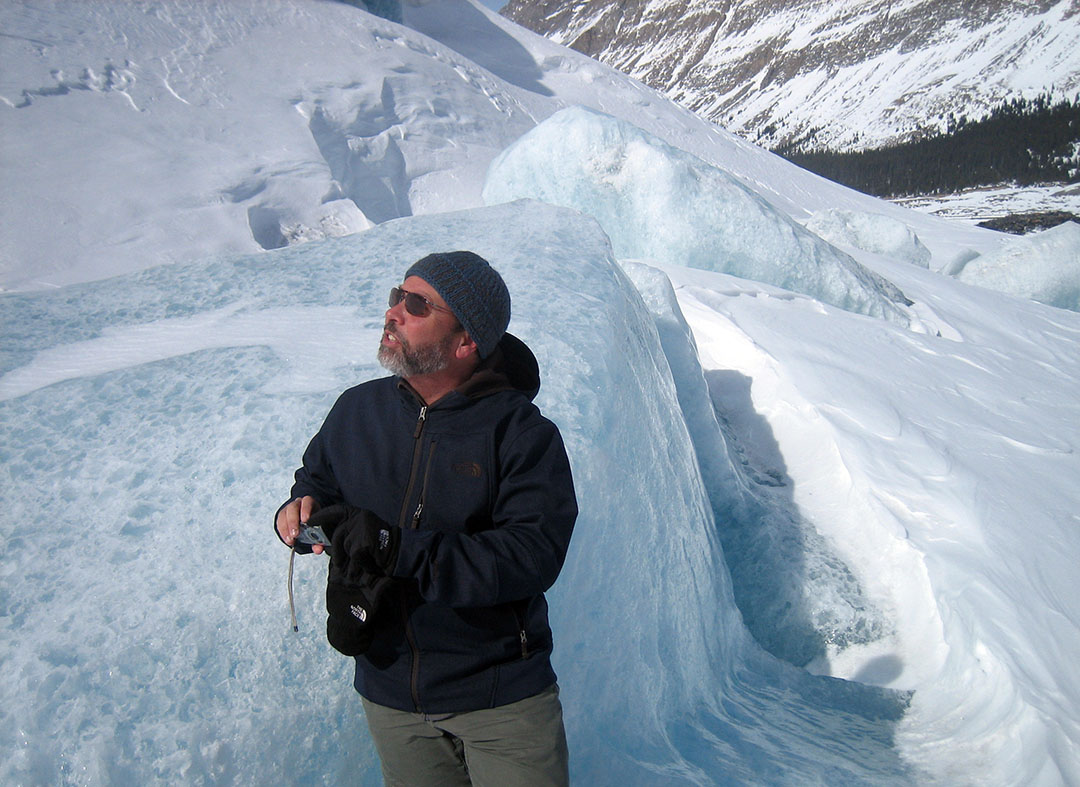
point(870, 232)
point(1044, 267)
point(659, 203)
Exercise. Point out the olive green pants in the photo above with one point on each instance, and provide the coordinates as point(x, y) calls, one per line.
point(522, 743)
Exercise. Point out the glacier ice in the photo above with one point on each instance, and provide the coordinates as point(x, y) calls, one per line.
point(144, 626)
point(795, 594)
point(871, 232)
point(1044, 267)
point(659, 203)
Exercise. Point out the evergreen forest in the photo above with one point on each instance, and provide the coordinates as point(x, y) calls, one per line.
point(1021, 142)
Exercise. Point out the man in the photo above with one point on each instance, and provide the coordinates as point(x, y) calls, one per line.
point(448, 502)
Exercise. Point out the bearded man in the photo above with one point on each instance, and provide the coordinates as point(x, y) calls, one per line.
point(447, 505)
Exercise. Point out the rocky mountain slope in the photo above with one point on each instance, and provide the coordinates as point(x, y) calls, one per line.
point(834, 74)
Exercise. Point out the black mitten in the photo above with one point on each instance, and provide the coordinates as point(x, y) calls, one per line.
point(353, 592)
point(367, 543)
point(352, 609)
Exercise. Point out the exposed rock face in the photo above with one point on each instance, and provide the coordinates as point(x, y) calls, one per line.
point(1023, 223)
point(839, 74)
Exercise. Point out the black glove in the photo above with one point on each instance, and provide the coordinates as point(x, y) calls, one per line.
point(362, 549)
point(354, 592)
point(352, 610)
point(360, 540)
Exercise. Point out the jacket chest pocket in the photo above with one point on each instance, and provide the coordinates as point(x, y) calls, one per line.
point(455, 492)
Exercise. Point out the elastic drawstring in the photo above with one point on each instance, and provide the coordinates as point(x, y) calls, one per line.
point(292, 605)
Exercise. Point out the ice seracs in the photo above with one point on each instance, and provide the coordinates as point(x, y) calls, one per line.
point(649, 635)
point(659, 203)
point(877, 233)
point(1044, 267)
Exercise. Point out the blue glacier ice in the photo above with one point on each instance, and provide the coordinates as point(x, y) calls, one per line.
point(658, 203)
point(795, 595)
point(1044, 266)
point(871, 232)
point(149, 426)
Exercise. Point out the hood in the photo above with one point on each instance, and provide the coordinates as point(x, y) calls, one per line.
point(510, 367)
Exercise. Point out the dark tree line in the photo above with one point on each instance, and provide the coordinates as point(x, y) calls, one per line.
point(1024, 142)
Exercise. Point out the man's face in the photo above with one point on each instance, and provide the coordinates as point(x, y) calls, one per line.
point(412, 346)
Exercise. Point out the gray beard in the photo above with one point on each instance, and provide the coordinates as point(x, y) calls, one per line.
point(410, 362)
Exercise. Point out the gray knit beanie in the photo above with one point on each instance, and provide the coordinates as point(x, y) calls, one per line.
point(474, 291)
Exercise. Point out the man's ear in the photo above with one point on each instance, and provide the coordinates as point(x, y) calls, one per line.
point(465, 347)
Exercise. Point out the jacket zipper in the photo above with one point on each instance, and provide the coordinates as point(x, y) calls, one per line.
point(519, 617)
point(414, 677)
point(423, 486)
point(417, 447)
point(414, 674)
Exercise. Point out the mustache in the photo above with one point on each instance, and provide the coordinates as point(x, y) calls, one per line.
point(391, 329)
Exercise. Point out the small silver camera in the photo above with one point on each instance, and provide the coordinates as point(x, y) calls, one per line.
point(312, 534)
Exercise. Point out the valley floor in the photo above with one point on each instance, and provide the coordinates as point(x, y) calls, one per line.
point(975, 205)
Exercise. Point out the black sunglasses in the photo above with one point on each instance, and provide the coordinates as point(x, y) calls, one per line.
point(415, 304)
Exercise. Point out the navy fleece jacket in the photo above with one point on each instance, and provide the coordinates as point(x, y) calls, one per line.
point(480, 485)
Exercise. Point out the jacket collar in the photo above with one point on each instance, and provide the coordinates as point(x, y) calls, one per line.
point(510, 367)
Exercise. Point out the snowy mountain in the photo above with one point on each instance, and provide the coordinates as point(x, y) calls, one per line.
point(827, 476)
point(840, 74)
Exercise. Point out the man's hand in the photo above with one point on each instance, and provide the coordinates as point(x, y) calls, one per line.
point(362, 541)
point(290, 517)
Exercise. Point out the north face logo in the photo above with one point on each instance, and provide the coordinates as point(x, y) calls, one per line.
point(471, 469)
point(359, 612)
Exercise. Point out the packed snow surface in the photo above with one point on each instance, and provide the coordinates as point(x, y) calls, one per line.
point(815, 546)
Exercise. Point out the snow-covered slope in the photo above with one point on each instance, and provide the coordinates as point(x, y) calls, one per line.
point(174, 134)
point(815, 546)
point(842, 74)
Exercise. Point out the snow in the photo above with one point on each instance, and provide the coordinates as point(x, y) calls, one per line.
point(775, 71)
point(1044, 267)
point(815, 547)
point(975, 205)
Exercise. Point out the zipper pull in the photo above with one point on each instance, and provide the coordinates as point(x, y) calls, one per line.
point(524, 645)
point(416, 516)
point(420, 422)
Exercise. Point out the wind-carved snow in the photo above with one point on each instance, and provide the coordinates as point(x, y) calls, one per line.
point(107, 79)
point(363, 154)
point(798, 598)
point(927, 514)
point(659, 203)
point(165, 468)
point(243, 139)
